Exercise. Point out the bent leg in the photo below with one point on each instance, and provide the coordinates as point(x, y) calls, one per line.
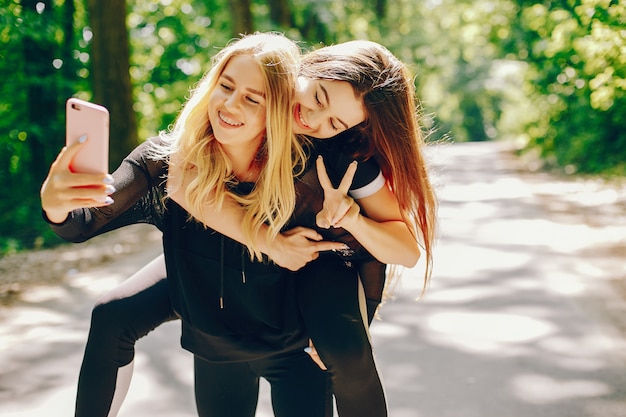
point(329, 303)
point(119, 319)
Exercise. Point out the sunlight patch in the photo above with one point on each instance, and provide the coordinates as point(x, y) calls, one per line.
point(542, 389)
point(486, 332)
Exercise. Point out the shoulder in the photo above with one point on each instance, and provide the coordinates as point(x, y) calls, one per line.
point(145, 149)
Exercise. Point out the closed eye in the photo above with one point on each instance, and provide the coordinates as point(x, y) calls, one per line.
point(319, 104)
point(317, 100)
point(226, 87)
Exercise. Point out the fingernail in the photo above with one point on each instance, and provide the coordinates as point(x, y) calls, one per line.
point(82, 138)
point(108, 179)
point(108, 200)
point(308, 350)
point(345, 247)
point(109, 189)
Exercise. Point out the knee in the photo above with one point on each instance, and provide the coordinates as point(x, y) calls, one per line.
point(106, 316)
point(111, 321)
point(112, 331)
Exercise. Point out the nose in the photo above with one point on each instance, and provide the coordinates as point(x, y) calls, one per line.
point(314, 117)
point(232, 101)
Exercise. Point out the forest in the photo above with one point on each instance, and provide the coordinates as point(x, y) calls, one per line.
point(548, 75)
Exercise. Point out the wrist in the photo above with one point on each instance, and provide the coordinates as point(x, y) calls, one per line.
point(55, 217)
point(353, 220)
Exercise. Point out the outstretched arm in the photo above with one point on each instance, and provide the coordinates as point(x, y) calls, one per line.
point(381, 231)
point(80, 206)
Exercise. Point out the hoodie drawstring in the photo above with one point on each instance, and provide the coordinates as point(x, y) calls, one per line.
point(243, 265)
point(243, 270)
point(222, 273)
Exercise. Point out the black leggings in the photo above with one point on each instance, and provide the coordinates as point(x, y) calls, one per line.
point(140, 304)
point(329, 303)
point(298, 387)
point(328, 300)
point(122, 316)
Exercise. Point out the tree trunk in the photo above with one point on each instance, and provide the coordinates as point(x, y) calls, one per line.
point(381, 9)
point(110, 64)
point(280, 13)
point(241, 17)
point(69, 63)
point(42, 94)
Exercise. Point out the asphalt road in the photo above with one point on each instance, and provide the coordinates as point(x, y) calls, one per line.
point(523, 317)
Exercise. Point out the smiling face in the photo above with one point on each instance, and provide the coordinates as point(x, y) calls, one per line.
point(325, 108)
point(237, 105)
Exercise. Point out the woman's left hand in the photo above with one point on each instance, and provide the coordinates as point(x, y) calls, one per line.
point(339, 210)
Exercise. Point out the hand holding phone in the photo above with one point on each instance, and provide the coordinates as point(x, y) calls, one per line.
point(84, 118)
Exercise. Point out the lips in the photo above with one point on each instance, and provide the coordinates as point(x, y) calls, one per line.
point(230, 121)
point(297, 113)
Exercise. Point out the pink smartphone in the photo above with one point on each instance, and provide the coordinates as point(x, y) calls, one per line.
point(84, 118)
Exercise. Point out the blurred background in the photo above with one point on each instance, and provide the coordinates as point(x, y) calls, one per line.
point(549, 76)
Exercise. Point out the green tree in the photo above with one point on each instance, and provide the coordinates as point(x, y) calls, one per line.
point(110, 69)
point(171, 47)
point(576, 81)
point(31, 103)
point(549, 72)
point(241, 15)
point(280, 13)
point(42, 87)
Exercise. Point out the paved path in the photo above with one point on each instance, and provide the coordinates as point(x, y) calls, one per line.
point(523, 317)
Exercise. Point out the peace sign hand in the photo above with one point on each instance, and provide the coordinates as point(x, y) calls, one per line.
point(339, 209)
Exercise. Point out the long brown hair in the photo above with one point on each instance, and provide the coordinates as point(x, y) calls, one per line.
point(391, 132)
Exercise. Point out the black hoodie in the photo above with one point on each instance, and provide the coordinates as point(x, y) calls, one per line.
point(232, 309)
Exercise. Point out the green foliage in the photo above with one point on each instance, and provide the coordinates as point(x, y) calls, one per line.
point(551, 74)
point(458, 49)
point(576, 82)
point(172, 42)
point(32, 67)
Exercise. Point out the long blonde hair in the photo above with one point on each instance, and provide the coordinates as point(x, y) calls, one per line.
point(391, 132)
point(201, 160)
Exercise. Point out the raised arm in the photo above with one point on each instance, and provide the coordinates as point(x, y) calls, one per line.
point(381, 230)
point(80, 206)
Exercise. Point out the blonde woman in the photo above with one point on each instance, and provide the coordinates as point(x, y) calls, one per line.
point(231, 142)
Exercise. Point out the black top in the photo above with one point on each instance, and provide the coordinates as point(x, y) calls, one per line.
point(232, 309)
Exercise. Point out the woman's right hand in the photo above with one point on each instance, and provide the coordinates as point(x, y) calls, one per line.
point(63, 190)
point(339, 210)
point(297, 247)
